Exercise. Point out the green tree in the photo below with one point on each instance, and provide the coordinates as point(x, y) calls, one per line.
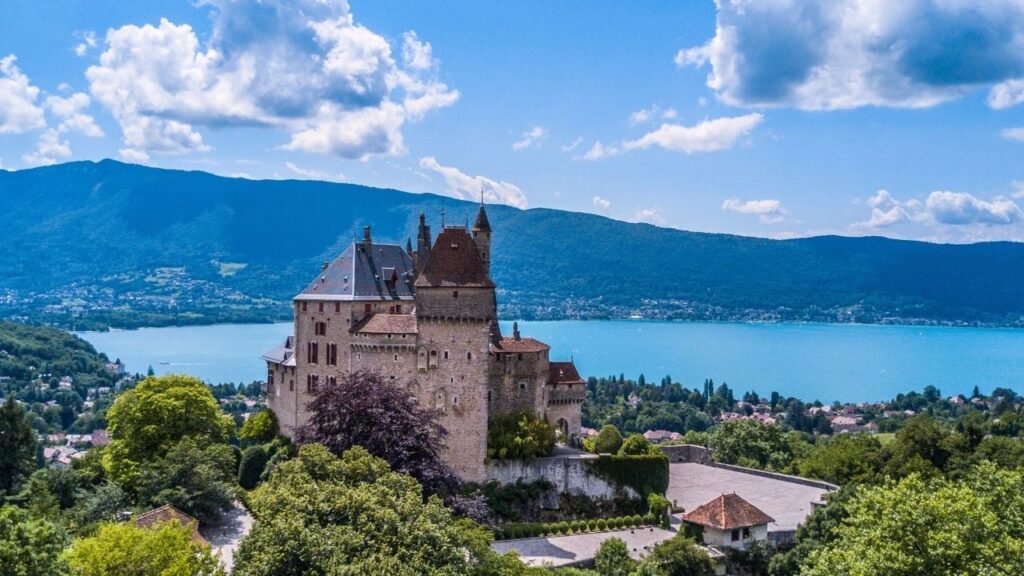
point(126, 550)
point(930, 528)
point(843, 459)
point(751, 443)
point(29, 546)
point(921, 446)
point(145, 422)
point(612, 558)
point(196, 480)
point(608, 440)
point(260, 427)
point(254, 460)
point(355, 512)
point(635, 445)
point(680, 556)
point(820, 529)
point(17, 447)
point(519, 436)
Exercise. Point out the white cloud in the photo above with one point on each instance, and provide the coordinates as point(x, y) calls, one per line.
point(942, 209)
point(1013, 134)
point(707, 136)
point(602, 203)
point(312, 174)
point(18, 109)
point(851, 53)
point(1018, 189)
point(648, 114)
point(69, 111)
point(307, 68)
point(649, 216)
point(132, 155)
point(530, 137)
point(49, 150)
point(573, 145)
point(88, 42)
point(461, 185)
point(767, 210)
point(598, 152)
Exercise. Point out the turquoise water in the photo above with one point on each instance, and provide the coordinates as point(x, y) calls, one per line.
point(810, 361)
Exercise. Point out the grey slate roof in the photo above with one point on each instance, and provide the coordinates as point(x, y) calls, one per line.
point(283, 354)
point(384, 272)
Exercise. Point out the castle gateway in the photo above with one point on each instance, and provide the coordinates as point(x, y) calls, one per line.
point(428, 321)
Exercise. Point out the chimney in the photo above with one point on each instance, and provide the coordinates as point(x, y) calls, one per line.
point(515, 331)
point(367, 243)
point(323, 267)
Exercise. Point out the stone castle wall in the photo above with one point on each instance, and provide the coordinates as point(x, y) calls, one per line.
point(569, 474)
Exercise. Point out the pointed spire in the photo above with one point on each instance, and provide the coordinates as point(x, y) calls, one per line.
point(482, 224)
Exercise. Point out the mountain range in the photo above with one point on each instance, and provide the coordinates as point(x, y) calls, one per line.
point(93, 244)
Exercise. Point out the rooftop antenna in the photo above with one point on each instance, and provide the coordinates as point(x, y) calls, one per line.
point(442, 218)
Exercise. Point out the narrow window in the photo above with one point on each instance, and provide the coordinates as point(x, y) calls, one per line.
point(367, 308)
point(735, 535)
point(331, 380)
point(455, 294)
point(303, 306)
point(398, 308)
point(469, 355)
point(445, 354)
point(321, 306)
point(396, 357)
point(291, 385)
point(337, 307)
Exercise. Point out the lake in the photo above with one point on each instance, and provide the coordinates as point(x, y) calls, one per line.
point(845, 362)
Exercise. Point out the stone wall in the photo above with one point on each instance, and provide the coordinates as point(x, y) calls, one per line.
point(687, 453)
point(569, 474)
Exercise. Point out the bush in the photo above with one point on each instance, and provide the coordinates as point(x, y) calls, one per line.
point(637, 520)
point(254, 460)
point(602, 524)
point(635, 445)
point(649, 519)
point(563, 527)
point(608, 440)
point(519, 435)
point(577, 526)
point(613, 559)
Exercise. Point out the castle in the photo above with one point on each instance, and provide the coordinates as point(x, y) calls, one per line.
point(427, 320)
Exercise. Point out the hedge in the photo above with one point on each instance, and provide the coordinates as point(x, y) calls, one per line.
point(646, 473)
point(537, 529)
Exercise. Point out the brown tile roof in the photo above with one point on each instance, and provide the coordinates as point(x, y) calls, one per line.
point(454, 261)
point(728, 512)
point(564, 373)
point(386, 324)
point(169, 513)
point(482, 223)
point(524, 345)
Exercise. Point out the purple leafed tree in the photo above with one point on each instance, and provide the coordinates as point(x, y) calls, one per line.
point(362, 409)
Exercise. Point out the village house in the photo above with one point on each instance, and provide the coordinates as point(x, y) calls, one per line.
point(729, 521)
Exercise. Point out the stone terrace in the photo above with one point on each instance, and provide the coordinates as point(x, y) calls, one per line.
point(789, 503)
point(580, 548)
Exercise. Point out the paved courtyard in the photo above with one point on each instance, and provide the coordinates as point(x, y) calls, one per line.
point(226, 534)
point(565, 550)
point(789, 503)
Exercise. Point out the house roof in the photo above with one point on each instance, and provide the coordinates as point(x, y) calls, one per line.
point(513, 345)
point(454, 261)
point(386, 324)
point(168, 513)
point(364, 271)
point(728, 512)
point(482, 223)
point(564, 373)
point(282, 354)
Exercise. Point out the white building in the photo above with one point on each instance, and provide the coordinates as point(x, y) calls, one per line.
point(729, 521)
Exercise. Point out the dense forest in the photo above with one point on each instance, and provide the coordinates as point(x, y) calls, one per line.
point(94, 244)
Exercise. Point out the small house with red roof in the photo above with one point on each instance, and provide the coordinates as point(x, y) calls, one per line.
point(730, 521)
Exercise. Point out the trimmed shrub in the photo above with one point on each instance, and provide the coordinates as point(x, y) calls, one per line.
point(637, 520)
point(649, 519)
point(608, 440)
point(635, 445)
point(602, 524)
point(254, 460)
point(563, 527)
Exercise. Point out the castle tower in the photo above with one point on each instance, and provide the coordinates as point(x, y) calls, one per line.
point(422, 244)
point(482, 237)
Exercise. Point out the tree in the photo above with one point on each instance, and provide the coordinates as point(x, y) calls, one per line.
point(608, 440)
point(356, 512)
point(635, 445)
point(166, 549)
point(844, 459)
point(29, 546)
point(260, 427)
point(254, 460)
point(920, 447)
point(519, 435)
point(146, 421)
point(17, 447)
point(820, 529)
point(362, 409)
point(680, 556)
point(193, 479)
point(751, 443)
point(613, 559)
point(918, 527)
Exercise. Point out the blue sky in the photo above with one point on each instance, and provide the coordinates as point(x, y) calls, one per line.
point(775, 118)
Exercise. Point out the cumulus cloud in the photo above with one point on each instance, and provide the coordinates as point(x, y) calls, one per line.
point(649, 216)
point(49, 150)
point(462, 185)
point(530, 137)
point(1013, 134)
point(707, 136)
point(767, 210)
point(942, 208)
point(312, 174)
point(69, 112)
point(19, 111)
point(602, 203)
point(653, 113)
point(304, 67)
point(598, 152)
point(850, 53)
point(88, 42)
